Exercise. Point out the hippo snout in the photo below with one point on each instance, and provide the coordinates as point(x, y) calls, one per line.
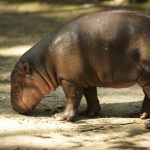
point(20, 107)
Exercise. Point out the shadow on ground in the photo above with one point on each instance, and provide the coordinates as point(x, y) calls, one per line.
point(123, 110)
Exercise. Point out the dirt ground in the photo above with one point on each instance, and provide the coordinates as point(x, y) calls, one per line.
point(117, 126)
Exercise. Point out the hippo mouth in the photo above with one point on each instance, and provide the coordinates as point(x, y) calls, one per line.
point(18, 105)
point(21, 108)
point(16, 100)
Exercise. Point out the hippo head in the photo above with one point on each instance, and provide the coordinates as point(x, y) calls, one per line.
point(27, 87)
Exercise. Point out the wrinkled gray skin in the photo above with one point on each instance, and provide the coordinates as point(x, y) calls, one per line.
point(101, 49)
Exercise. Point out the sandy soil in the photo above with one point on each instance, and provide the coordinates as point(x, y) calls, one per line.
point(116, 127)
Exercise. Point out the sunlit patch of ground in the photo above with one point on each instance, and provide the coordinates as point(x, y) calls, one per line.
point(14, 51)
point(44, 133)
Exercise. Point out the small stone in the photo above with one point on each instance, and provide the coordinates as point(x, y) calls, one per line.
point(147, 124)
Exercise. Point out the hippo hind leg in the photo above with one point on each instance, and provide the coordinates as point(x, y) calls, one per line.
point(144, 82)
point(93, 106)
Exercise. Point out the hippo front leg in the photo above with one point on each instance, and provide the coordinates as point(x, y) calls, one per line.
point(144, 82)
point(73, 95)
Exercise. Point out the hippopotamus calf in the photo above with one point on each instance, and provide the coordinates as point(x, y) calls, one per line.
point(100, 49)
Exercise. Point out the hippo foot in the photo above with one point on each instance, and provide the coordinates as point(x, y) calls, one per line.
point(144, 115)
point(65, 116)
point(91, 112)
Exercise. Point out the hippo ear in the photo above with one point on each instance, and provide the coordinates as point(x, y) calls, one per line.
point(26, 68)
